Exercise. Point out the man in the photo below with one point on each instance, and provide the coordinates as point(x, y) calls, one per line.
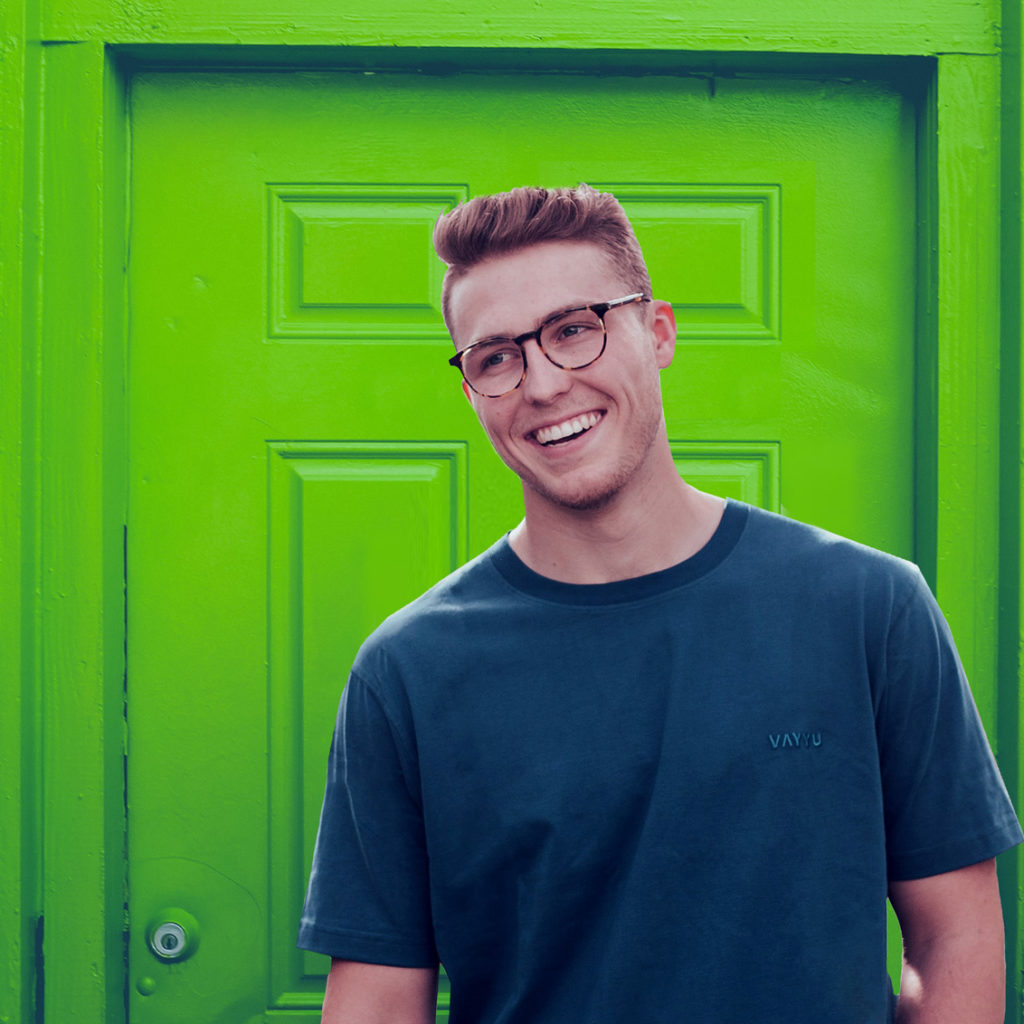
point(653, 757)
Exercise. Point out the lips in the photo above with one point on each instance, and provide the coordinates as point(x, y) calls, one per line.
point(566, 429)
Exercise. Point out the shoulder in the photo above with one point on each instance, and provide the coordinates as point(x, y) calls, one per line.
point(477, 581)
point(431, 625)
point(786, 540)
point(794, 556)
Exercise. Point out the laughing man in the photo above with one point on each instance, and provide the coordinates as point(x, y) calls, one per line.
point(654, 756)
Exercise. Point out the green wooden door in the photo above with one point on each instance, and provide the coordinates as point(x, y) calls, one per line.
point(302, 460)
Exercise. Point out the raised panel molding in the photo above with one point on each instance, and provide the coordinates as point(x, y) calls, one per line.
point(356, 530)
point(713, 252)
point(745, 470)
point(355, 262)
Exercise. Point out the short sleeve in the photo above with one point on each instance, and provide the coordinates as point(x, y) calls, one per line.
point(945, 802)
point(369, 896)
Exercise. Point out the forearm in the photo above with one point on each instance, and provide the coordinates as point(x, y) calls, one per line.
point(954, 969)
point(359, 993)
point(958, 980)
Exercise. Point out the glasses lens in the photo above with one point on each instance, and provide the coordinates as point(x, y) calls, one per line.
point(493, 367)
point(574, 339)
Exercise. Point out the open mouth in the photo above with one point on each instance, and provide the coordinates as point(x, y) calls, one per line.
point(560, 433)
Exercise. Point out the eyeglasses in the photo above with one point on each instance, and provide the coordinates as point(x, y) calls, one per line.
point(571, 339)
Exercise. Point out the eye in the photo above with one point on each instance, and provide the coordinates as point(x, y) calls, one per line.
point(493, 358)
point(574, 330)
point(568, 331)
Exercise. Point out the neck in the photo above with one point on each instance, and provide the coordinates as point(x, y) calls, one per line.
point(632, 535)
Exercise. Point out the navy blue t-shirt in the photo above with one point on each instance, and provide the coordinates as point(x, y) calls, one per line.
point(679, 797)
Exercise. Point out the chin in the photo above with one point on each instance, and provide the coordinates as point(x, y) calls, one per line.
point(586, 497)
point(589, 501)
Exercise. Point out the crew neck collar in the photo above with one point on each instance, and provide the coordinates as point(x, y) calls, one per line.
point(721, 543)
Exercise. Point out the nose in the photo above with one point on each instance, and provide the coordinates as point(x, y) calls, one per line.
point(544, 381)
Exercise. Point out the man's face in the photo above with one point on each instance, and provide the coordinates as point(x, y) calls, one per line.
point(576, 438)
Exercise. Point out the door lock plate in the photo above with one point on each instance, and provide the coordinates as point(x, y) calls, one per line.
point(173, 935)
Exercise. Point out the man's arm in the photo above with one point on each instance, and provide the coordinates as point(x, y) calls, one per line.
point(954, 969)
point(359, 993)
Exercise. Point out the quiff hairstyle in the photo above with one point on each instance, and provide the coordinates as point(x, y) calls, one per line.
point(494, 225)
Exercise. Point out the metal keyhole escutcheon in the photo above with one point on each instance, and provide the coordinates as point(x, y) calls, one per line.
point(173, 935)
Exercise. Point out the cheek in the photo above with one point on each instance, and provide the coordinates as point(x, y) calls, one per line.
point(495, 426)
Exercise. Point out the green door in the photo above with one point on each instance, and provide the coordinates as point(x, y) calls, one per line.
point(302, 460)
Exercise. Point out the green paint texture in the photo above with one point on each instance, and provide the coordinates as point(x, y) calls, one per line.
point(20, 721)
point(80, 605)
point(65, 74)
point(873, 26)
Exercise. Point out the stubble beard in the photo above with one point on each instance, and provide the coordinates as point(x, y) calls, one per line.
point(595, 495)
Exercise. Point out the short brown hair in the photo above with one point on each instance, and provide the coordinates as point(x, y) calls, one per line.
point(493, 225)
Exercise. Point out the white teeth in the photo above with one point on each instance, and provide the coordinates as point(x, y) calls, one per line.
point(576, 425)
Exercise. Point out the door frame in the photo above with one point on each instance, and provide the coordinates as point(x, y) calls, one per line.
point(63, 888)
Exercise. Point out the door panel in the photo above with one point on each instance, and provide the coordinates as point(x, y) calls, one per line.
point(302, 461)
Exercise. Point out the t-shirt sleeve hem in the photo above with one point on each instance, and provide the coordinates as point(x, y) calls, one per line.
point(937, 860)
point(365, 948)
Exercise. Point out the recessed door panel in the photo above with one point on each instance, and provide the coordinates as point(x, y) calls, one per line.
point(302, 460)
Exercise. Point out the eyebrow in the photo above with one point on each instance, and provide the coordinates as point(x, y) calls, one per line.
point(551, 316)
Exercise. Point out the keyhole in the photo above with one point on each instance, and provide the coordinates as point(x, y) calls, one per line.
point(175, 937)
point(169, 941)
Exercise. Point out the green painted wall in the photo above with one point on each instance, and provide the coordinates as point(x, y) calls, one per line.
point(62, 187)
point(20, 895)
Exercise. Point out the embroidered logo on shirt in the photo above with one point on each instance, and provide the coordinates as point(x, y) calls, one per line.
point(781, 740)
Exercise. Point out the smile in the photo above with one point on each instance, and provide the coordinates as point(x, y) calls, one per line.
point(558, 433)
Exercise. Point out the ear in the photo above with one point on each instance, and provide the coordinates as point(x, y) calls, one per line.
point(467, 391)
point(664, 327)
